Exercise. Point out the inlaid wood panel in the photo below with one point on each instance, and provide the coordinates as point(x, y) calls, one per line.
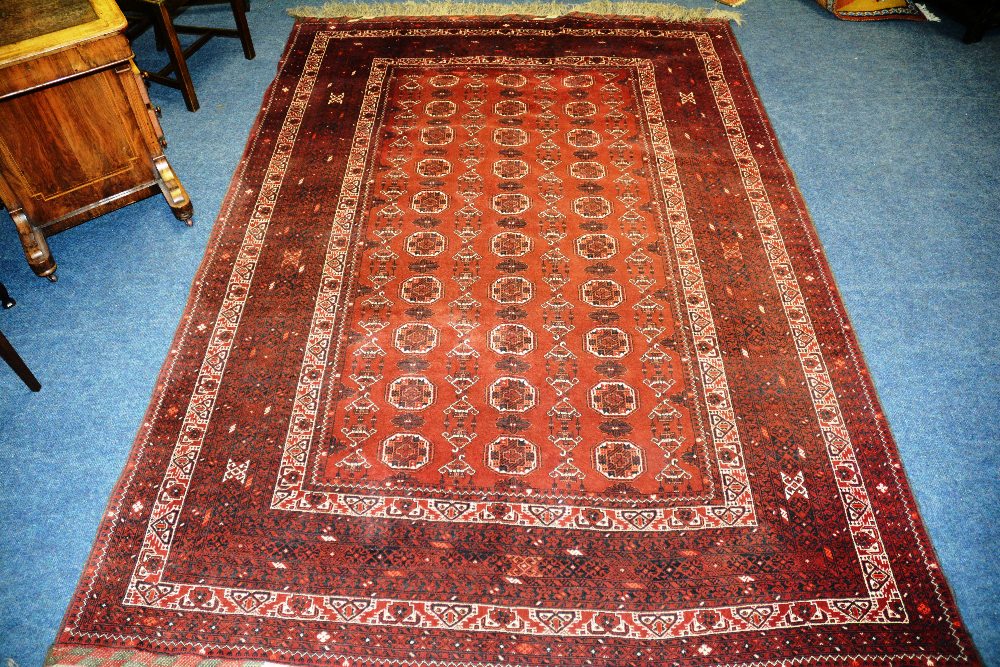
point(54, 164)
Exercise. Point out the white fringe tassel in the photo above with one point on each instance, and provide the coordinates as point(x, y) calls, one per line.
point(928, 14)
point(543, 8)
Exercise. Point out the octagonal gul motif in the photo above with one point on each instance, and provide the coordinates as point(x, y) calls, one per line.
point(410, 392)
point(440, 108)
point(511, 204)
point(587, 171)
point(580, 109)
point(511, 289)
point(510, 136)
point(512, 455)
point(608, 342)
point(512, 394)
point(437, 135)
point(415, 338)
point(602, 293)
point(444, 80)
point(515, 339)
point(426, 244)
point(510, 108)
point(433, 168)
point(583, 138)
point(510, 168)
point(420, 289)
point(405, 451)
point(578, 81)
point(596, 246)
point(511, 80)
point(592, 208)
point(619, 460)
point(613, 399)
point(510, 244)
point(429, 201)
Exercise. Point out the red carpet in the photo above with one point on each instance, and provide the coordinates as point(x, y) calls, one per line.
point(514, 345)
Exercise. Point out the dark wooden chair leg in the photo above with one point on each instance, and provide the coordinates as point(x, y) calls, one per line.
point(5, 299)
point(10, 355)
point(177, 58)
point(240, 15)
point(159, 37)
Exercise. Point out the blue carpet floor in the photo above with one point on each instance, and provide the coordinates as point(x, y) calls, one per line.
point(892, 128)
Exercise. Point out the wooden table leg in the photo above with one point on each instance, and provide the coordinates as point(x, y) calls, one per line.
point(10, 355)
point(36, 248)
point(173, 191)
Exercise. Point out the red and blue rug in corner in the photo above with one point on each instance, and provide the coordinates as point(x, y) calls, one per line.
point(514, 345)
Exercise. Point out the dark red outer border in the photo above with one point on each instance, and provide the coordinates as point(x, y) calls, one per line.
point(162, 378)
point(853, 345)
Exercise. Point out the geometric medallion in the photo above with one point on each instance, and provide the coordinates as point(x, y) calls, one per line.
point(607, 342)
point(429, 201)
point(426, 244)
point(596, 246)
point(421, 289)
point(410, 393)
point(433, 168)
point(613, 399)
point(510, 244)
point(440, 108)
point(592, 208)
point(512, 339)
point(512, 289)
point(512, 455)
point(437, 135)
point(578, 81)
point(511, 80)
point(512, 394)
point(592, 171)
point(510, 168)
point(581, 138)
point(618, 459)
point(510, 136)
point(580, 109)
point(602, 293)
point(415, 338)
point(405, 451)
point(511, 204)
point(510, 108)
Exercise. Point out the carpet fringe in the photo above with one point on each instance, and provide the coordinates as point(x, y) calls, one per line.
point(542, 8)
point(928, 14)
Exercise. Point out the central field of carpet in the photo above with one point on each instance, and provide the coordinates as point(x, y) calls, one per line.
point(514, 345)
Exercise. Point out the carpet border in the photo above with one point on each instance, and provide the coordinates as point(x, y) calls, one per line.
point(192, 302)
point(931, 560)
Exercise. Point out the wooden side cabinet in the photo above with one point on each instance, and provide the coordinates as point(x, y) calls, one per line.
point(78, 135)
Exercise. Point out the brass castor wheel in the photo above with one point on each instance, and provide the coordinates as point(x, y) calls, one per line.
point(53, 278)
point(184, 213)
